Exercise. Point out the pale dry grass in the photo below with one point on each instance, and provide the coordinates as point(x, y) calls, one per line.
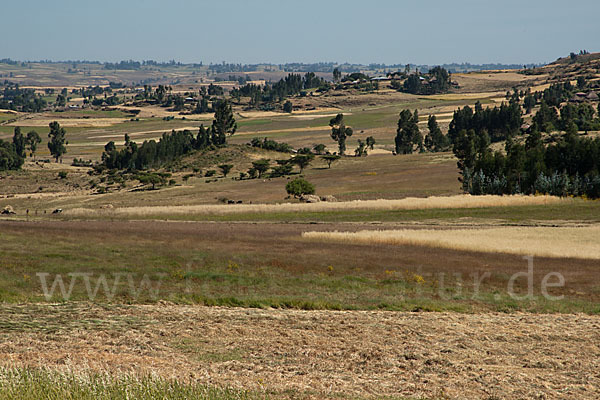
point(270, 132)
point(410, 203)
point(318, 354)
point(70, 122)
point(563, 242)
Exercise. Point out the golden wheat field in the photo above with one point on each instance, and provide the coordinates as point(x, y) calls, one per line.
point(562, 242)
point(411, 203)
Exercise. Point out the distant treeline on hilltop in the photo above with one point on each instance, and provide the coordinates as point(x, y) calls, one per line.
point(325, 67)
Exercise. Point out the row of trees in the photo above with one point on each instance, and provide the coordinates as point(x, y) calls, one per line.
point(500, 123)
point(152, 154)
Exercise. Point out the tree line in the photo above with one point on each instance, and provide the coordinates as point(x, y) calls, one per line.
point(154, 154)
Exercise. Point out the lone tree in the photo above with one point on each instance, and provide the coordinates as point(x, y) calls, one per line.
point(224, 124)
point(33, 139)
point(152, 178)
point(302, 160)
point(57, 143)
point(225, 168)
point(288, 107)
point(261, 166)
point(330, 159)
point(339, 132)
point(299, 187)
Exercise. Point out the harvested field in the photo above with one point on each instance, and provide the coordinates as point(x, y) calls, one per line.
point(316, 354)
point(567, 242)
point(70, 122)
point(450, 202)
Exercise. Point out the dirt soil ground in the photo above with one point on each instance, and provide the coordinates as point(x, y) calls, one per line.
point(317, 354)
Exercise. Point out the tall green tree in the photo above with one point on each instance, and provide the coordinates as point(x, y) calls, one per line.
point(224, 123)
point(408, 134)
point(339, 132)
point(464, 150)
point(19, 142)
point(57, 143)
point(33, 140)
point(435, 140)
point(225, 169)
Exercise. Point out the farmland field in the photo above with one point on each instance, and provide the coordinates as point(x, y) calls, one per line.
point(217, 286)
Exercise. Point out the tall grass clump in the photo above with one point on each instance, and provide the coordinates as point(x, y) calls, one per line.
point(36, 383)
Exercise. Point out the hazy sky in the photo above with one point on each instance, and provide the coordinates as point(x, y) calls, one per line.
point(279, 31)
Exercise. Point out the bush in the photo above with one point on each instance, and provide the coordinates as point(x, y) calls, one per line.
point(62, 174)
point(299, 187)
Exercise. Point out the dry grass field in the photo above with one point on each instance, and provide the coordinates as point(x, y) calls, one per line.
point(563, 242)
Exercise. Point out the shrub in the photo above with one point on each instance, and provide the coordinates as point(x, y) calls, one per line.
point(299, 187)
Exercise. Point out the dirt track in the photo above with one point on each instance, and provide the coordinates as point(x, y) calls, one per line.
point(318, 353)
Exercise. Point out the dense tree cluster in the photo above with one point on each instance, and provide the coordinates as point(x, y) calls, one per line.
point(355, 76)
point(151, 154)
point(12, 154)
point(270, 144)
point(124, 65)
point(437, 80)
point(291, 85)
point(17, 99)
point(499, 123)
point(9, 158)
point(569, 166)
